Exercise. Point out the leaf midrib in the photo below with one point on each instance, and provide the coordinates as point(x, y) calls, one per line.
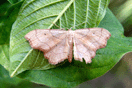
point(21, 63)
point(87, 13)
point(61, 13)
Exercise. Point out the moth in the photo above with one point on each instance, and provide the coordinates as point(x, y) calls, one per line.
point(58, 45)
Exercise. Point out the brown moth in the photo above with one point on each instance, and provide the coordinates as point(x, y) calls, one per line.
point(57, 45)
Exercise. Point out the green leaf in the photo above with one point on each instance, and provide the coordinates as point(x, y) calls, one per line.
point(73, 74)
point(127, 24)
point(3, 8)
point(7, 82)
point(42, 15)
point(14, 1)
point(4, 56)
point(5, 28)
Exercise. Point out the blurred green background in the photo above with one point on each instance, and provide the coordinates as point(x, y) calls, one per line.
point(119, 76)
point(122, 9)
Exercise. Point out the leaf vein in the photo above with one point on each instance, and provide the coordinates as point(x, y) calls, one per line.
point(15, 34)
point(74, 5)
point(98, 11)
point(36, 59)
point(39, 9)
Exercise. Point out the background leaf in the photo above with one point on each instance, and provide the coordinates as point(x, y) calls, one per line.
point(7, 82)
point(5, 29)
point(41, 15)
point(122, 9)
point(4, 6)
point(78, 72)
point(4, 56)
point(14, 1)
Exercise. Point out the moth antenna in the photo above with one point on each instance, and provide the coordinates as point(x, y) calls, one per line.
point(58, 26)
point(78, 24)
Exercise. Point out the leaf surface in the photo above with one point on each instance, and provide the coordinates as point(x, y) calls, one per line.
point(43, 14)
point(71, 75)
